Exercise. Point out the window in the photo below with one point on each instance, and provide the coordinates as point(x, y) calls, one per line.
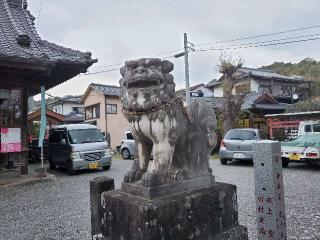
point(75, 109)
point(57, 110)
point(92, 111)
point(111, 108)
point(264, 88)
point(130, 136)
point(85, 136)
point(316, 128)
point(56, 136)
point(307, 128)
point(237, 134)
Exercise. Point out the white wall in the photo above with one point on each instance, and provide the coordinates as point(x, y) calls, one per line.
point(206, 92)
point(254, 86)
point(66, 108)
point(218, 91)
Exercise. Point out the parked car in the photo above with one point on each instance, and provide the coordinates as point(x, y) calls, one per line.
point(304, 149)
point(127, 147)
point(78, 146)
point(237, 144)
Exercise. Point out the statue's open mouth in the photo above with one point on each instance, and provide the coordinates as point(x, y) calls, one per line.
point(143, 82)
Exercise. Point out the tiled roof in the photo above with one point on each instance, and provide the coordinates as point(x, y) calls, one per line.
point(216, 102)
point(259, 73)
point(107, 90)
point(19, 41)
point(251, 100)
point(70, 98)
point(267, 74)
point(67, 99)
point(74, 117)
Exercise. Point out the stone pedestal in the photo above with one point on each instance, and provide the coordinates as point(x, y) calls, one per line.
point(209, 213)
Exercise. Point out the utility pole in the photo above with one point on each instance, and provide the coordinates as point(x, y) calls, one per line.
point(186, 68)
point(185, 53)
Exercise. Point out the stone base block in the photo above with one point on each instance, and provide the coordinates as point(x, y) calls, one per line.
point(209, 213)
point(167, 189)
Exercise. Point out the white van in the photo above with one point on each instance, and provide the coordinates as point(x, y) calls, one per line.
point(309, 127)
point(78, 146)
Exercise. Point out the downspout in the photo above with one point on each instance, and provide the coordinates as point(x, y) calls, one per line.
point(106, 119)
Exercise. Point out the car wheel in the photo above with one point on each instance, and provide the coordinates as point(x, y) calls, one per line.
point(51, 164)
point(285, 162)
point(106, 168)
point(69, 168)
point(223, 161)
point(125, 153)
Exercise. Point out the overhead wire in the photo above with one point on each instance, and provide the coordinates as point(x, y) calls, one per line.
point(267, 41)
point(272, 42)
point(261, 35)
point(256, 46)
point(39, 12)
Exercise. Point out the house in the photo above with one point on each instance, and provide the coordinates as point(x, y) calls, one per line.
point(67, 105)
point(103, 109)
point(199, 90)
point(287, 89)
point(26, 63)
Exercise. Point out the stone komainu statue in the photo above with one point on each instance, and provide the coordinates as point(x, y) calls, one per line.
point(180, 138)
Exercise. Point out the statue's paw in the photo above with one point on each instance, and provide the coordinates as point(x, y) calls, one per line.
point(129, 176)
point(150, 180)
point(177, 175)
point(138, 175)
point(132, 176)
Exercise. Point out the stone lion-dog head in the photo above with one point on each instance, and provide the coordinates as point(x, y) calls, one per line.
point(146, 83)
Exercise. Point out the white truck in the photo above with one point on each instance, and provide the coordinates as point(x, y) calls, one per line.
point(309, 127)
point(304, 149)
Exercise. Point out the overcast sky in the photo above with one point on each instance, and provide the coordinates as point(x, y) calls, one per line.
point(115, 31)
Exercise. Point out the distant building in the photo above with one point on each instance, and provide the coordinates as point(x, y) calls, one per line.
point(103, 109)
point(67, 105)
point(285, 89)
point(199, 90)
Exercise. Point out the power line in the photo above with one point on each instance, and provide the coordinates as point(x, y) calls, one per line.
point(256, 46)
point(109, 65)
point(94, 73)
point(261, 35)
point(267, 41)
point(39, 12)
point(252, 45)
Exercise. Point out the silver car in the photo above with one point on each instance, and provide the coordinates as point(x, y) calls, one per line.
point(78, 146)
point(237, 144)
point(127, 147)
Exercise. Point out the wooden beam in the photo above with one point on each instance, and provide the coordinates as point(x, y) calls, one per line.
point(25, 65)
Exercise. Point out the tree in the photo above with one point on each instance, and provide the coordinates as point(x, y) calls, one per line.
point(232, 104)
point(305, 106)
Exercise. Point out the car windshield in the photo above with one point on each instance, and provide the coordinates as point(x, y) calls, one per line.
point(237, 134)
point(85, 136)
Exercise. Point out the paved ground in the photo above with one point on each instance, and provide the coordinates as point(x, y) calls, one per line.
point(60, 211)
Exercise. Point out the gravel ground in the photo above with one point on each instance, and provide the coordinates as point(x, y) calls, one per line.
point(60, 210)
